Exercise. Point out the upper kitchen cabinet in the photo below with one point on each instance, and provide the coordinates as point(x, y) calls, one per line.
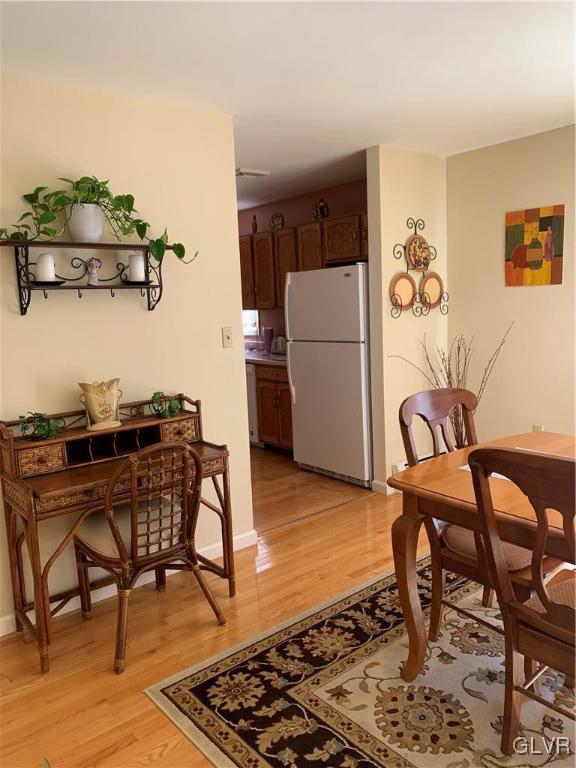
point(341, 236)
point(285, 245)
point(364, 245)
point(309, 246)
point(247, 273)
point(264, 272)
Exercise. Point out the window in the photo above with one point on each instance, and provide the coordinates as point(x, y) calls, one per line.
point(251, 322)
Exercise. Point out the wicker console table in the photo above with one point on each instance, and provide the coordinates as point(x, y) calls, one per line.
point(68, 475)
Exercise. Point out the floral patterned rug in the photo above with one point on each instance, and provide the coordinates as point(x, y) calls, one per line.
point(325, 691)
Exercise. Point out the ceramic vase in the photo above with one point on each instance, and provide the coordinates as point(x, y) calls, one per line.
point(102, 400)
point(86, 223)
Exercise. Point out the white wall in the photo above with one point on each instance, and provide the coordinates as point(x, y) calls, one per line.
point(533, 382)
point(179, 164)
point(401, 184)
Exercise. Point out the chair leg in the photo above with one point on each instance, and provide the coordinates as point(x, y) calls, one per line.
point(488, 597)
point(208, 594)
point(438, 581)
point(438, 586)
point(120, 657)
point(569, 681)
point(512, 698)
point(160, 574)
point(83, 583)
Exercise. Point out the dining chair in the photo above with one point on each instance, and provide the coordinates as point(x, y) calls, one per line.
point(453, 547)
point(541, 629)
point(153, 532)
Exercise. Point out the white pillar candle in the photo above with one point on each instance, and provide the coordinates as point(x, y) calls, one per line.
point(137, 273)
point(45, 269)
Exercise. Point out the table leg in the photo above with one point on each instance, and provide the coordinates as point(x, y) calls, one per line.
point(405, 530)
point(15, 569)
point(31, 532)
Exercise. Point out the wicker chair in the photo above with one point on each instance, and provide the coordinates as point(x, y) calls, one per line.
point(454, 548)
point(154, 532)
point(541, 629)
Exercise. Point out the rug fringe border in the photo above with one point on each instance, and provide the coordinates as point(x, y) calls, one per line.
point(199, 740)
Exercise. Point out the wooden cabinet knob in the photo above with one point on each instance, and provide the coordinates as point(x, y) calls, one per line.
point(41, 460)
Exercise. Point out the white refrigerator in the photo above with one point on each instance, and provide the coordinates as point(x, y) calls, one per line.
point(329, 371)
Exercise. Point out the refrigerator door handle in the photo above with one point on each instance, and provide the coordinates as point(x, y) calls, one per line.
point(286, 305)
point(290, 384)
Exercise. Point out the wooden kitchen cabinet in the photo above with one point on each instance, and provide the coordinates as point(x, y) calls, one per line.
point(247, 273)
point(274, 406)
point(285, 259)
point(284, 416)
point(364, 243)
point(309, 246)
point(341, 238)
point(267, 394)
point(264, 272)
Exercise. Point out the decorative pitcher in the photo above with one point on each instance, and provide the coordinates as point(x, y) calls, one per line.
point(102, 400)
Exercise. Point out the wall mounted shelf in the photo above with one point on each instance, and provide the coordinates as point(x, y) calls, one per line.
point(27, 283)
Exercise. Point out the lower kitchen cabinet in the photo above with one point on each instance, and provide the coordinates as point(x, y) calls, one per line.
point(284, 416)
point(274, 406)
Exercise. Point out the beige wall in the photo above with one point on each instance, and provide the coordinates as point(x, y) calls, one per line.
point(401, 184)
point(533, 382)
point(179, 164)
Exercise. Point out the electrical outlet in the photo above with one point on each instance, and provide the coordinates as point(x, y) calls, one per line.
point(227, 337)
point(537, 428)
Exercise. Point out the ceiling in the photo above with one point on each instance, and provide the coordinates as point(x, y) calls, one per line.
point(311, 85)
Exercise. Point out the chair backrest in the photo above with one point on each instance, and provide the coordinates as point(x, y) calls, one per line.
point(549, 483)
point(164, 482)
point(434, 407)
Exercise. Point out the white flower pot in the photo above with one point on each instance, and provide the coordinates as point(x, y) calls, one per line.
point(86, 223)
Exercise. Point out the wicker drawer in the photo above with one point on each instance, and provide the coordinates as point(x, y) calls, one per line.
point(272, 372)
point(180, 430)
point(74, 498)
point(37, 461)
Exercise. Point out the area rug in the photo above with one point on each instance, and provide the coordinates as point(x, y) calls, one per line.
point(325, 690)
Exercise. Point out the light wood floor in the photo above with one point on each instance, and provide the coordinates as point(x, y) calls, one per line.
point(81, 715)
point(283, 493)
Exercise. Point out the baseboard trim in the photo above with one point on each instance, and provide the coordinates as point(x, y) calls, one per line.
point(378, 486)
point(212, 551)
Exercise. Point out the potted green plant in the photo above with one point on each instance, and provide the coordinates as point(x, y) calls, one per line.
point(86, 206)
point(38, 426)
point(165, 406)
point(86, 216)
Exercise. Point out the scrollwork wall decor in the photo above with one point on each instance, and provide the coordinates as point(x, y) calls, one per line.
point(404, 294)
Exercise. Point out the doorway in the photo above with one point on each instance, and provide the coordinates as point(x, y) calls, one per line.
point(283, 493)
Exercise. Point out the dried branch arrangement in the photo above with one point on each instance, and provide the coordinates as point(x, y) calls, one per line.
point(449, 369)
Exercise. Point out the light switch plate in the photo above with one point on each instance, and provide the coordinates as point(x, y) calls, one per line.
point(227, 337)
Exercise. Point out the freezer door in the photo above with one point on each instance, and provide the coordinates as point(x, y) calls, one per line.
point(327, 304)
point(330, 407)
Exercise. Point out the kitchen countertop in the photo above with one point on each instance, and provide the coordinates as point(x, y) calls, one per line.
point(263, 358)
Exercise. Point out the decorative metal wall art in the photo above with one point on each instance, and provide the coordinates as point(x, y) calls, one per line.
point(404, 294)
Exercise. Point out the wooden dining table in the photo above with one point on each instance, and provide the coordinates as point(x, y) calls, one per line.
point(442, 488)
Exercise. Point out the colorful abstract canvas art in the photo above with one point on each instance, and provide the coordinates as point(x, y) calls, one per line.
point(534, 246)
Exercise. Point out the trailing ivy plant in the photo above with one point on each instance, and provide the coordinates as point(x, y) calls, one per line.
point(51, 210)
